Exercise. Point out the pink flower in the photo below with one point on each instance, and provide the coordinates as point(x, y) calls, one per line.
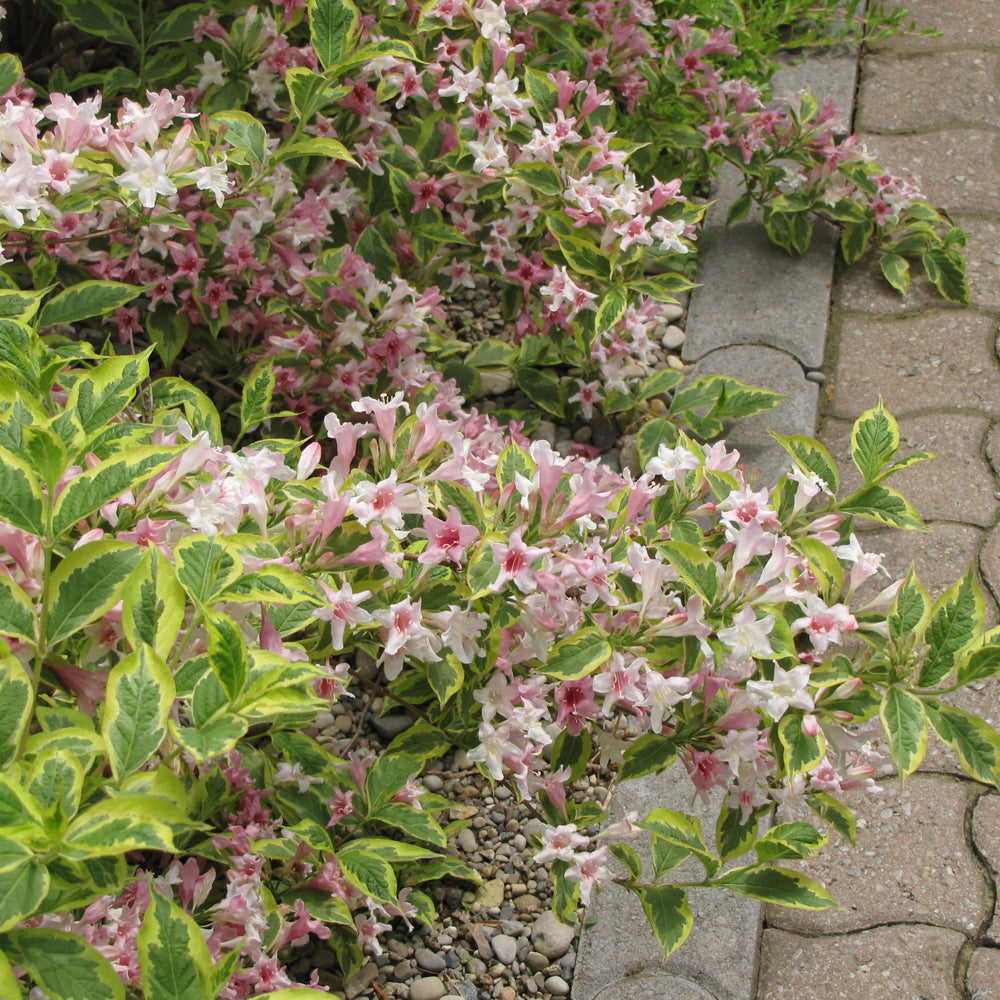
point(515, 560)
point(448, 540)
point(589, 870)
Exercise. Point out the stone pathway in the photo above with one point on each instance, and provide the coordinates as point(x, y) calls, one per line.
point(920, 889)
point(919, 892)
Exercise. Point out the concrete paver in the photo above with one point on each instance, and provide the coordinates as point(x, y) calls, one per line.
point(962, 23)
point(902, 961)
point(964, 87)
point(944, 358)
point(983, 978)
point(956, 169)
point(956, 485)
point(911, 864)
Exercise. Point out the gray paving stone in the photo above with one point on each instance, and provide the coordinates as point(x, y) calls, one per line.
point(986, 829)
point(944, 358)
point(719, 955)
point(795, 414)
point(963, 23)
point(902, 962)
point(832, 73)
point(956, 169)
point(755, 293)
point(957, 485)
point(893, 92)
point(911, 863)
point(654, 986)
point(983, 978)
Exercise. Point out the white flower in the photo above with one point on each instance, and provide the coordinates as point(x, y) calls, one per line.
point(787, 690)
point(147, 176)
point(748, 635)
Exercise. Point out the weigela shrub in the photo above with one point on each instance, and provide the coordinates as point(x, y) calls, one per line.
point(175, 612)
point(412, 152)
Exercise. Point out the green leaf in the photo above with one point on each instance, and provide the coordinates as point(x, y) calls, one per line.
point(56, 782)
point(978, 665)
point(110, 480)
point(332, 24)
point(446, 677)
point(811, 456)
point(306, 91)
point(781, 886)
point(874, 441)
point(134, 717)
point(97, 17)
point(116, 826)
point(662, 287)
point(682, 831)
point(413, 822)
point(835, 813)
point(17, 613)
point(491, 354)
point(885, 505)
point(107, 389)
point(658, 384)
point(733, 837)
point(975, 741)
point(8, 984)
point(154, 604)
point(227, 653)
point(790, 840)
point(514, 460)
point(910, 609)
point(20, 495)
point(317, 145)
point(542, 388)
point(855, 239)
point(368, 872)
point(64, 965)
point(387, 776)
point(905, 723)
point(243, 131)
point(666, 907)
point(896, 270)
point(543, 92)
point(540, 176)
point(88, 583)
point(10, 72)
point(376, 251)
point(946, 269)
point(628, 857)
point(176, 25)
point(205, 567)
point(649, 754)
point(422, 741)
point(18, 702)
point(173, 955)
point(611, 309)
point(696, 568)
point(86, 299)
point(168, 330)
point(956, 618)
point(22, 891)
point(801, 752)
point(258, 391)
point(212, 740)
point(578, 655)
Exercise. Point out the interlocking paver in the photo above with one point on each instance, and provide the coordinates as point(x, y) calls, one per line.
point(944, 358)
point(956, 169)
point(911, 864)
point(964, 85)
point(962, 23)
point(986, 829)
point(939, 556)
point(983, 977)
point(904, 962)
point(957, 485)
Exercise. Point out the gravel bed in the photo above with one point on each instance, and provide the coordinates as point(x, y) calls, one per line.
point(500, 940)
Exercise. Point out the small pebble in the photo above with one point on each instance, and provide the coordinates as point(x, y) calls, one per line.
point(536, 961)
point(427, 988)
point(467, 841)
point(433, 782)
point(429, 961)
point(504, 947)
point(557, 986)
point(673, 337)
point(817, 377)
point(389, 726)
